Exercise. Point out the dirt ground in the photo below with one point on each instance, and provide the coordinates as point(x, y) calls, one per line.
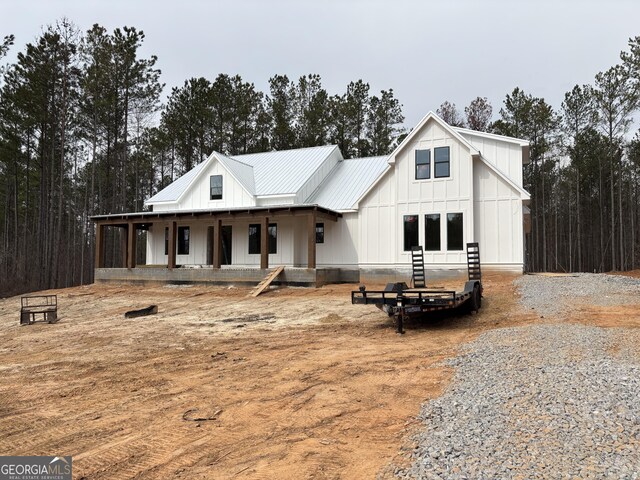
point(297, 383)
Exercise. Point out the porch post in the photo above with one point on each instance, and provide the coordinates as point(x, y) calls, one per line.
point(264, 243)
point(311, 240)
point(173, 234)
point(99, 263)
point(217, 244)
point(131, 245)
point(124, 253)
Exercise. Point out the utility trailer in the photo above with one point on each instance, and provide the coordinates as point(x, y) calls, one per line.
point(400, 301)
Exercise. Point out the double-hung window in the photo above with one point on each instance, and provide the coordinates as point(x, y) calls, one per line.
point(423, 164)
point(441, 162)
point(215, 187)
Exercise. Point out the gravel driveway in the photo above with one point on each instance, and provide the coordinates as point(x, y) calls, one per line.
point(542, 401)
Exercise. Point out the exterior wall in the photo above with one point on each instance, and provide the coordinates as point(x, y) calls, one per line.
point(507, 156)
point(339, 247)
point(197, 196)
point(275, 200)
point(240, 256)
point(499, 219)
point(233, 194)
point(381, 234)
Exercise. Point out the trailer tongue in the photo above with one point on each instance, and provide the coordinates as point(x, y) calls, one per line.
point(400, 301)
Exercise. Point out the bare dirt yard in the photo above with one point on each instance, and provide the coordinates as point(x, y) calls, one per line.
point(297, 383)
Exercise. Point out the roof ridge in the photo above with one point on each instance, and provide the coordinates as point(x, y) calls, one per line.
point(286, 150)
point(235, 159)
point(365, 158)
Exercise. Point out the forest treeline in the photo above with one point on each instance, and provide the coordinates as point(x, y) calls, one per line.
point(84, 131)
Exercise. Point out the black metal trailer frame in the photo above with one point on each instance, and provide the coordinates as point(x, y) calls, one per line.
point(400, 301)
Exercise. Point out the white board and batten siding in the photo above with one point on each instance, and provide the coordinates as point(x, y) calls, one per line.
point(382, 211)
point(499, 220)
point(240, 256)
point(233, 193)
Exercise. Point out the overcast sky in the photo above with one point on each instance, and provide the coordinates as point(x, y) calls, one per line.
point(427, 51)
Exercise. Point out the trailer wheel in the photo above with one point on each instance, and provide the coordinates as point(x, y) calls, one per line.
point(476, 299)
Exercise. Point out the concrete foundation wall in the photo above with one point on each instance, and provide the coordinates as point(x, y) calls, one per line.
point(225, 276)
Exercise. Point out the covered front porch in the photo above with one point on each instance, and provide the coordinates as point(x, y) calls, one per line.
point(218, 246)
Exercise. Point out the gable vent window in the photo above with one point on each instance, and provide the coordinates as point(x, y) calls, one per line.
point(423, 164)
point(215, 186)
point(441, 162)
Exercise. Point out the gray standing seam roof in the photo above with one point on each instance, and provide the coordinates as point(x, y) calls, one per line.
point(269, 173)
point(286, 171)
point(347, 182)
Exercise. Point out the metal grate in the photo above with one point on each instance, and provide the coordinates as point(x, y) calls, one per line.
point(417, 263)
point(473, 261)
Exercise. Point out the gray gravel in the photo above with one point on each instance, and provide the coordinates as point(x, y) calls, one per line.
point(542, 401)
point(553, 296)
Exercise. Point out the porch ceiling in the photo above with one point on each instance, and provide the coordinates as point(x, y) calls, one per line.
point(122, 219)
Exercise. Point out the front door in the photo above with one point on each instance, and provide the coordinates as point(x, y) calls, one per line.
point(226, 245)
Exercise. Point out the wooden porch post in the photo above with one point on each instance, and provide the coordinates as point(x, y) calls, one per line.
point(217, 244)
point(173, 234)
point(123, 246)
point(99, 246)
point(131, 245)
point(264, 243)
point(311, 240)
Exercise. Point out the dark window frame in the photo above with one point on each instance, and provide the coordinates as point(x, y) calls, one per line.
point(215, 191)
point(437, 163)
point(433, 241)
point(320, 232)
point(406, 240)
point(166, 240)
point(184, 236)
point(422, 162)
point(452, 235)
point(255, 244)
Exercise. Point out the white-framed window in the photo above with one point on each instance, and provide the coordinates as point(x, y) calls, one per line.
point(215, 187)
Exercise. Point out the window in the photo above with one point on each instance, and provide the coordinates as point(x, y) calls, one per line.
point(454, 231)
point(432, 232)
point(441, 162)
point(166, 240)
point(319, 232)
point(215, 187)
point(423, 164)
point(183, 240)
point(254, 238)
point(410, 232)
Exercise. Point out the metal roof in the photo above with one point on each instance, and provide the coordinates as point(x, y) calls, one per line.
point(348, 181)
point(242, 172)
point(285, 172)
point(172, 192)
point(269, 173)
